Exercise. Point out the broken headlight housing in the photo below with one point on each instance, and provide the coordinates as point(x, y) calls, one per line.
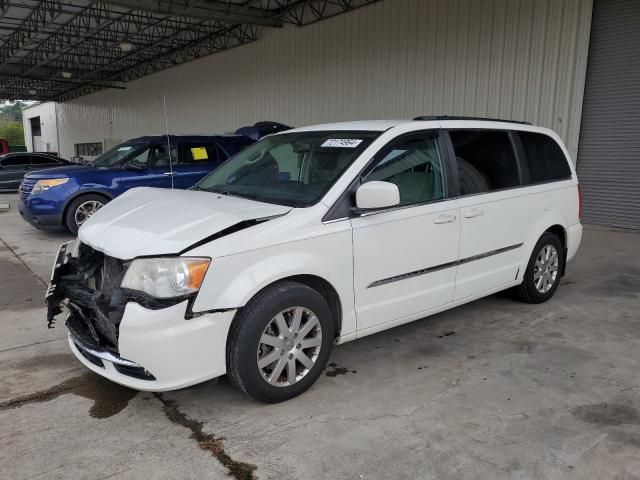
point(166, 277)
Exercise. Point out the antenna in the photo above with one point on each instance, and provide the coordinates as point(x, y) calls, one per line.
point(166, 126)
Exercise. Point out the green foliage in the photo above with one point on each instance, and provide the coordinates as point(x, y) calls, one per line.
point(11, 122)
point(13, 132)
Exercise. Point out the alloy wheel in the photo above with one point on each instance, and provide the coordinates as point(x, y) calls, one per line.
point(289, 346)
point(85, 210)
point(545, 271)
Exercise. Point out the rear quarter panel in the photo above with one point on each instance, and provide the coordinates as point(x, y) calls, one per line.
point(557, 203)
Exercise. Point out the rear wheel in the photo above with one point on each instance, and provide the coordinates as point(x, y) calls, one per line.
point(280, 342)
point(81, 209)
point(542, 276)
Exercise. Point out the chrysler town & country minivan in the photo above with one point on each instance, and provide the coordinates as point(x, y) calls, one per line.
point(310, 238)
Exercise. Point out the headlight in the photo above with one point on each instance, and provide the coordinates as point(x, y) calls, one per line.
point(44, 185)
point(166, 277)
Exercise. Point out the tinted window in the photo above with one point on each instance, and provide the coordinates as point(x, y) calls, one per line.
point(415, 166)
point(486, 160)
point(544, 158)
point(18, 160)
point(199, 152)
point(154, 156)
point(43, 160)
point(137, 154)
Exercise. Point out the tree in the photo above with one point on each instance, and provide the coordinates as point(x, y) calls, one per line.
point(13, 132)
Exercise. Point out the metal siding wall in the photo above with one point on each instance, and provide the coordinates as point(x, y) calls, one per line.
point(609, 156)
point(520, 59)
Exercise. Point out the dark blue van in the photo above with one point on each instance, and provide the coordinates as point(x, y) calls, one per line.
point(67, 196)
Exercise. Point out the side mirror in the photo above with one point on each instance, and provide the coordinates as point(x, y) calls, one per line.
point(375, 195)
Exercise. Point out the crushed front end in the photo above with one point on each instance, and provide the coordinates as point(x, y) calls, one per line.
point(127, 336)
point(87, 283)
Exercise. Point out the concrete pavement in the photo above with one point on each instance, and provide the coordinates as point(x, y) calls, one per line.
point(496, 389)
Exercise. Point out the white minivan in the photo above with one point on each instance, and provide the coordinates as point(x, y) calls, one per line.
point(310, 238)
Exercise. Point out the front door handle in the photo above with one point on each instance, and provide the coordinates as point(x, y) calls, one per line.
point(168, 173)
point(445, 218)
point(474, 212)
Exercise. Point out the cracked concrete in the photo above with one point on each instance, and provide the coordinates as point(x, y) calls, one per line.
point(519, 391)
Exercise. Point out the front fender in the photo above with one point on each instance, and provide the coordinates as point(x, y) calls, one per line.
point(87, 191)
point(232, 281)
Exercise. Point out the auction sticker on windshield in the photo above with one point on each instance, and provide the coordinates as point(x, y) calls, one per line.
point(342, 142)
point(199, 153)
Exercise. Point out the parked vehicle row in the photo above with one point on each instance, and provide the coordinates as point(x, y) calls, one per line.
point(314, 237)
point(68, 196)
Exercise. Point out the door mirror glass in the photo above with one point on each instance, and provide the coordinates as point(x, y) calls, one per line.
point(377, 194)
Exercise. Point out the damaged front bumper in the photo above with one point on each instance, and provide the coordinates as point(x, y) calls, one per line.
point(128, 338)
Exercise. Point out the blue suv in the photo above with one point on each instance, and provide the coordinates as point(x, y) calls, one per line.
point(67, 196)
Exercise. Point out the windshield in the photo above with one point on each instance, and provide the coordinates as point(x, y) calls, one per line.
point(294, 169)
point(143, 155)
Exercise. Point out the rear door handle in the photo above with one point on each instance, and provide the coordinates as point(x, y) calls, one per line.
point(445, 218)
point(474, 212)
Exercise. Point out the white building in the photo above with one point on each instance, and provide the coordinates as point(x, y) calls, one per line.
point(40, 123)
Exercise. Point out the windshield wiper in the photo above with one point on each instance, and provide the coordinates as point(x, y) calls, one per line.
point(215, 190)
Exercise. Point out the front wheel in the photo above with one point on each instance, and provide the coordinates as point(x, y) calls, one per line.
point(280, 342)
point(542, 276)
point(81, 209)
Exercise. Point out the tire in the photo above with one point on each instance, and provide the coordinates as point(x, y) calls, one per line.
point(248, 355)
point(537, 286)
point(92, 199)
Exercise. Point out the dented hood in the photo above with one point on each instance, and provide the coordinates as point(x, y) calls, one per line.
point(156, 221)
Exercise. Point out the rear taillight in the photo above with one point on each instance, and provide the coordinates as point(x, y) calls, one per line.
point(579, 203)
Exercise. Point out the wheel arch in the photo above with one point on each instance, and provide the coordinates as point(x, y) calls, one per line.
point(550, 223)
point(560, 232)
point(81, 193)
point(320, 285)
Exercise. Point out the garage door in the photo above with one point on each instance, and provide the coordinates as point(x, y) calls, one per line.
point(609, 149)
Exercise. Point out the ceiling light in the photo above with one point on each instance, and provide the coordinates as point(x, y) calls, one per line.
point(66, 74)
point(126, 46)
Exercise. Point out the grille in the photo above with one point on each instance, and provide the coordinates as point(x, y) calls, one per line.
point(92, 285)
point(26, 186)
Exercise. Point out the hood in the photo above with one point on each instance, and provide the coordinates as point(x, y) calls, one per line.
point(71, 171)
point(156, 221)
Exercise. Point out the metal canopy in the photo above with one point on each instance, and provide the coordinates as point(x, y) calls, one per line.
point(63, 49)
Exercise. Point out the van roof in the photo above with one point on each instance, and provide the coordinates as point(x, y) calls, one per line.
point(441, 120)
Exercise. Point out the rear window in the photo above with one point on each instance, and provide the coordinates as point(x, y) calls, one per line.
point(486, 160)
point(15, 161)
point(544, 158)
point(194, 152)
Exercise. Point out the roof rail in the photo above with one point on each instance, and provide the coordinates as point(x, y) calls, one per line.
point(448, 117)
